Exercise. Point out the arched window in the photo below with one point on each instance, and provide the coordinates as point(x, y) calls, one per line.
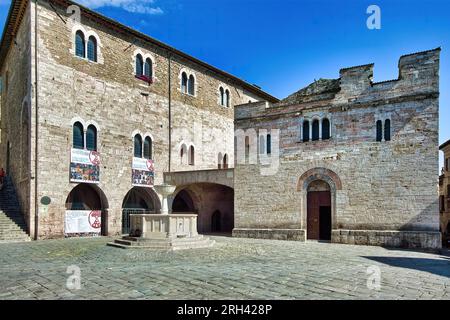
point(225, 161)
point(183, 154)
point(305, 131)
point(387, 130)
point(247, 147)
point(191, 85)
point(222, 97)
point(269, 144)
point(91, 138)
point(148, 68)
point(148, 148)
point(325, 129)
point(92, 49)
point(79, 44)
point(379, 130)
point(191, 155)
point(184, 81)
point(315, 130)
point(227, 98)
point(139, 65)
point(78, 136)
point(138, 146)
point(219, 161)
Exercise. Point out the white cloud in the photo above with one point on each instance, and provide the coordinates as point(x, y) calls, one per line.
point(134, 6)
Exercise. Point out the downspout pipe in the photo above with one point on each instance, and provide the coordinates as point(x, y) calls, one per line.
point(36, 145)
point(170, 109)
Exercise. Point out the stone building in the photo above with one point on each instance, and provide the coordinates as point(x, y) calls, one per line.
point(444, 194)
point(94, 114)
point(346, 160)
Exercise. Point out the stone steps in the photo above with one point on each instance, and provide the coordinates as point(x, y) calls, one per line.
point(163, 244)
point(12, 224)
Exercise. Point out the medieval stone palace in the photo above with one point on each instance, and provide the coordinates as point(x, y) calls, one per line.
point(95, 114)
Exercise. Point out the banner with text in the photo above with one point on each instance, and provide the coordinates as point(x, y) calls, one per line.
point(82, 222)
point(84, 166)
point(143, 172)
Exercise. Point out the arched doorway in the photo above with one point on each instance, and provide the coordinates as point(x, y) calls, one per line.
point(319, 211)
point(183, 202)
point(138, 200)
point(89, 197)
point(213, 203)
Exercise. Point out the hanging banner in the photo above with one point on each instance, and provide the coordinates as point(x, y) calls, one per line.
point(84, 166)
point(142, 172)
point(82, 222)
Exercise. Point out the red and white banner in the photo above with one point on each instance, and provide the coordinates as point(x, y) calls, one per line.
point(83, 221)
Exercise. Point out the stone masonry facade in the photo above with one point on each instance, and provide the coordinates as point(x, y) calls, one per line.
point(46, 88)
point(382, 192)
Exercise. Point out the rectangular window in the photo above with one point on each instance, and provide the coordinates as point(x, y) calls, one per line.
point(448, 191)
point(447, 164)
point(441, 204)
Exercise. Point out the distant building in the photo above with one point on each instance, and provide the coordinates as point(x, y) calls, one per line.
point(444, 193)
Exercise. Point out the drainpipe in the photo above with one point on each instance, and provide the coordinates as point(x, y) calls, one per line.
point(36, 96)
point(170, 110)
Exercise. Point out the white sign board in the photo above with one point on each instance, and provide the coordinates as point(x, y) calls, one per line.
point(82, 221)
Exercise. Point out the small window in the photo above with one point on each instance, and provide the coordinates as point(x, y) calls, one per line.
point(139, 65)
point(225, 161)
point(79, 44)
point(222, 96)
point(148, 68)
point(78, 136)
point(441, 203)
point(148, 148)
point(191, 85)
point(184, 81)
point(325, 129)
point(315, 130)
point(91, 138)
point(447, 164)
point(183, 154)
point(387, 130)
point(92, 49)
point(227, 98)
point(247, 147)
point(191, 155)
point(305, 131)
point(448, 191)
point(269, 144)
point(137, 146)
point(379, 130)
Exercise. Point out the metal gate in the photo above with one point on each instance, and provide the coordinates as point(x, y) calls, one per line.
point(126, 218)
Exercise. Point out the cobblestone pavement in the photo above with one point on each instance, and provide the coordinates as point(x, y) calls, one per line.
point(232, 269)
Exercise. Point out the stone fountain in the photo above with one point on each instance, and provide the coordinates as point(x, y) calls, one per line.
point(166, 230)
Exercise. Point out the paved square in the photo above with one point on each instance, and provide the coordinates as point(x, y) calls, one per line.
point(233, 269)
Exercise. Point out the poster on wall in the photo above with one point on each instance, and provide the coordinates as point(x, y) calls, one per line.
point(143, 172)
point(82, 222)
point(84, 166)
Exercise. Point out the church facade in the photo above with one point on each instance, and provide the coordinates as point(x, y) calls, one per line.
point(346, 160)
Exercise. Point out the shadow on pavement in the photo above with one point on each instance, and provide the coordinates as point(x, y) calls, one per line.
point(434, 266)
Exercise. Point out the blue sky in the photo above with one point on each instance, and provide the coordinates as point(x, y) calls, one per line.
point(283, 45)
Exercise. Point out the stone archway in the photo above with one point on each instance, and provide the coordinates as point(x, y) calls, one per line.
point(84, 197)
point(139, 200)
point(317, 180)
point(205, 200)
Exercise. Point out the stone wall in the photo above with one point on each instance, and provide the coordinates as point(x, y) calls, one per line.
point(16, 113)
point(376, 186)
point(444, 183)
